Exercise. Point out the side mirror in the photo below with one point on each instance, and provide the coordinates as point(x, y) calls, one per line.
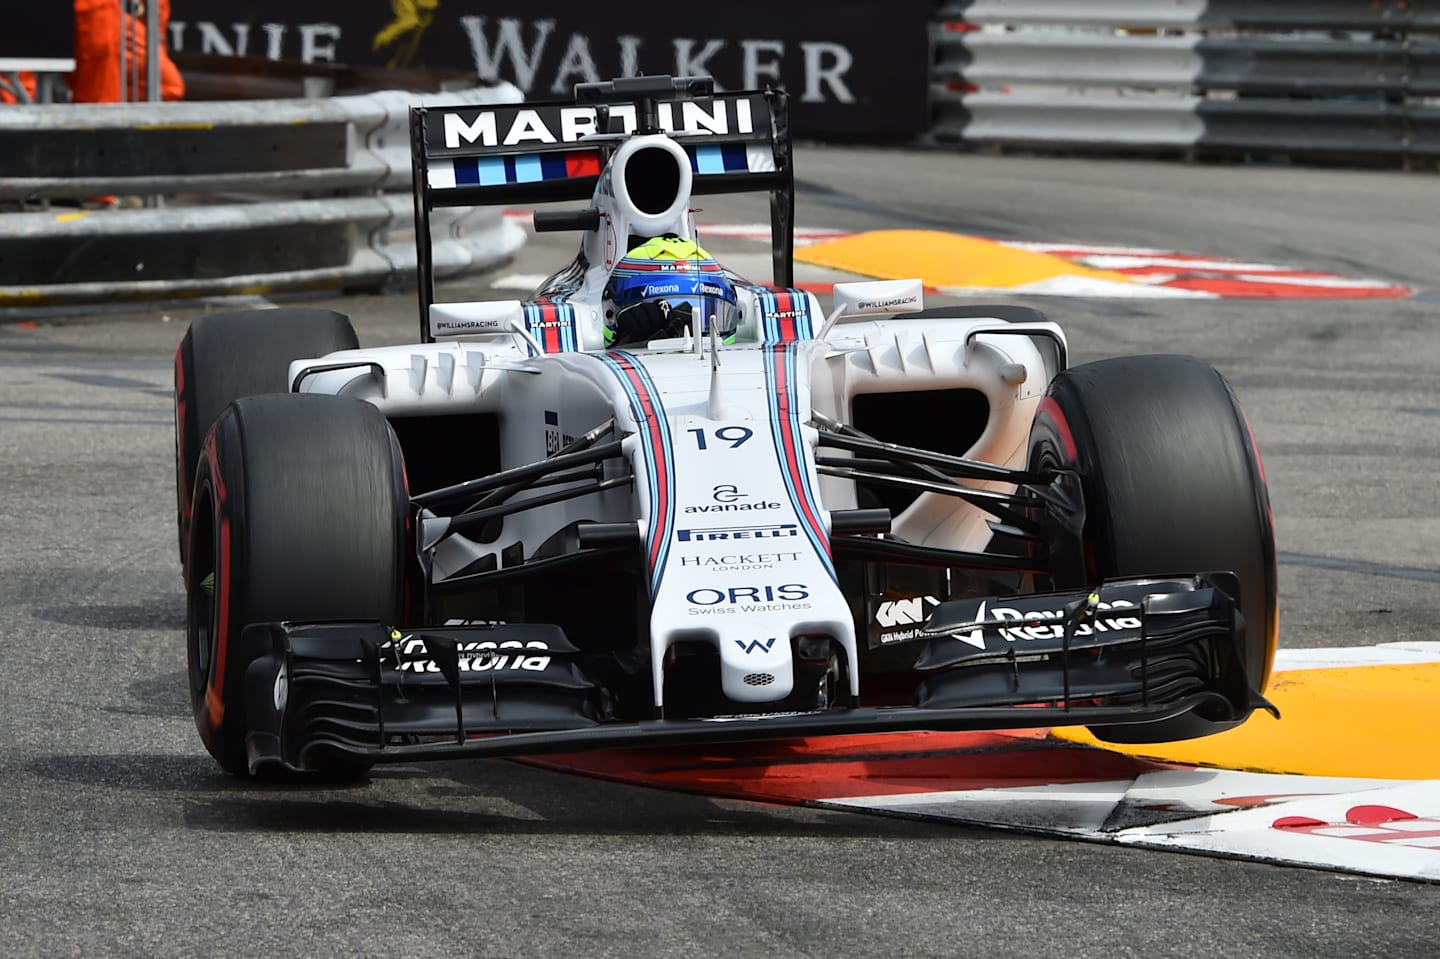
point(874, 298)
point(485, 318)
point(879, 297)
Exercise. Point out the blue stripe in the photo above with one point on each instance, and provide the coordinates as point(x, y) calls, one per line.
point(709, 159)
point(552, 166)
point(734, 157)
point(528, 169)
point(467, 171)
point(491, 171)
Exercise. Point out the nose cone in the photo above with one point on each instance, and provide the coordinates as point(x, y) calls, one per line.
point(756, 670)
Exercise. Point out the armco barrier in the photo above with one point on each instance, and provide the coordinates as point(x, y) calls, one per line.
point(1187, 14)
point(1330, 78)
point(326, 186)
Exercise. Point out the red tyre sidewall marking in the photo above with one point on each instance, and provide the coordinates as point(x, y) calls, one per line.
point(1050, 410)
point(214, 698)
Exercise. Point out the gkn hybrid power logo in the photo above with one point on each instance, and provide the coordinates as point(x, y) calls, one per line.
point(901, 619)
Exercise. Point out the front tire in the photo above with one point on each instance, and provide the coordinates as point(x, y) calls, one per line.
point(1172, 484)
point(225, 356)
point(300, 514)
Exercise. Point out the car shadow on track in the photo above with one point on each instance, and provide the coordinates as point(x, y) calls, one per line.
point(482, 797)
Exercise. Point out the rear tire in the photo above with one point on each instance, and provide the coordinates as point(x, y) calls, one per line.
point(229, 355)
point(301, 514)
point(1172, 485)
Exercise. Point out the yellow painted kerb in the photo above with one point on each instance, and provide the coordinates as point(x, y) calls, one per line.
point(1376, 722)
point(944, 260)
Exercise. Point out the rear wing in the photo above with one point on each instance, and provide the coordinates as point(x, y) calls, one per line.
point(550, 151)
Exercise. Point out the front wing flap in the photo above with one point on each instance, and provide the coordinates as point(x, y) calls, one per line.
point(1134, 642)
point(1138, 651)
point(351, 688)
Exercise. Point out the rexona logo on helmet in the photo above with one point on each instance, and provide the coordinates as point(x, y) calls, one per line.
point(660, 287)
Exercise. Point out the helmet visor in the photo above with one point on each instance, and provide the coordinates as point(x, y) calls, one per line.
point(664, 317)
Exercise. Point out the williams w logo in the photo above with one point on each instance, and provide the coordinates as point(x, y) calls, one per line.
point(755, 645)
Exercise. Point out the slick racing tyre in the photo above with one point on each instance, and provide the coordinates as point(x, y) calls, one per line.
point(300, 514)
point(229, 355)
point(1172, 484)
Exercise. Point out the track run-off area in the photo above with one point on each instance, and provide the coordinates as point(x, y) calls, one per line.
point(1313, 291)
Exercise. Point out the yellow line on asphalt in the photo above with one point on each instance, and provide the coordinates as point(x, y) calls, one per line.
point(944, 260)
point(1375, 722)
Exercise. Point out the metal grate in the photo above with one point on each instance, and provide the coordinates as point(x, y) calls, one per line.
point(759, 679)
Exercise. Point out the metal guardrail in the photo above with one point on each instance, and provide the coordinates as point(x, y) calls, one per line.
point(1340, 78)
point(1189, 14)
point(325, 187)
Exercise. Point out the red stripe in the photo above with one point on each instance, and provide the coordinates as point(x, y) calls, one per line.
point(1231, 287)
point(1215, 271)
point(582, 164)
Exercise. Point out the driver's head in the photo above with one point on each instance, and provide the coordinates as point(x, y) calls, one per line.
point(661, 286)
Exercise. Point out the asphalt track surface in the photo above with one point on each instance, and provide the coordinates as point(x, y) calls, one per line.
point(121, 838)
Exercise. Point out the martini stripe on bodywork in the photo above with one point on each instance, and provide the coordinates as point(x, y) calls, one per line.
point(658, 452)
point(780, 366)
point(553, 325)
point(786, 316)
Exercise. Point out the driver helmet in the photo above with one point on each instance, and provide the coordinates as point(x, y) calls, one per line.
point(659, 287)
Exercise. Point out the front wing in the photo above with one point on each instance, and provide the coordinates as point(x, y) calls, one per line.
point(1131, 652)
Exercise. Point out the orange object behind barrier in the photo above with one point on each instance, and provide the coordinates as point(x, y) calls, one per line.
point(27, 80)
point(97, 51)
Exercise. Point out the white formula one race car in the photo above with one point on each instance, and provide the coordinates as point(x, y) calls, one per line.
point(657, 503)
